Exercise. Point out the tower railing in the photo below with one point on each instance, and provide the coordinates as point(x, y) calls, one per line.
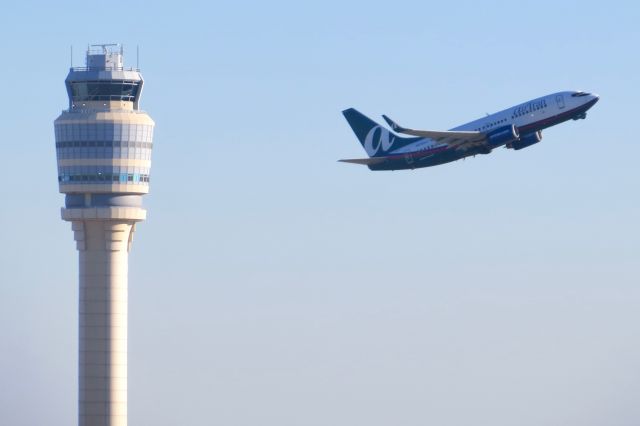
point(105, 69)
point(92, 110)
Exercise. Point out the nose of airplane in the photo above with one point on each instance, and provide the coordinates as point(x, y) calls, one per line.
point(592, 100)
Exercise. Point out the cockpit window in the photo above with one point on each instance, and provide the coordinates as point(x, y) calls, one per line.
point(578, 94)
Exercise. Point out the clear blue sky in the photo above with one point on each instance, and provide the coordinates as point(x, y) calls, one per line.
point(272, 285)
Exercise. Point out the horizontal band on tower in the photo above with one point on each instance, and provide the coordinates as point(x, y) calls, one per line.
point(124, 213)
point(107, 178)
point(98, 130)
point(107, 161)
point(102, 200)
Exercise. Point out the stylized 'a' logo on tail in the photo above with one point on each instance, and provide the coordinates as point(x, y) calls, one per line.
point(376, 140)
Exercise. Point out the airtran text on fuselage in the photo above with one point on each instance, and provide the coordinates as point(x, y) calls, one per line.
point(378, 137)
point(529, 108)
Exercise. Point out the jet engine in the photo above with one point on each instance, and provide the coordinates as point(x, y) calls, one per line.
point(526, 140)
point(503, 135)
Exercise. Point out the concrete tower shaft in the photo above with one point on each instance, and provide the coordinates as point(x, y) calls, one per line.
point(103, 147)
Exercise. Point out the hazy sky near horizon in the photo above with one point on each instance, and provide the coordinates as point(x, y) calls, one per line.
point(272, 285)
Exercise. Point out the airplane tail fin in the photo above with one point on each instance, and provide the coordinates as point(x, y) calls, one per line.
point(375, 139)
point(360, 123)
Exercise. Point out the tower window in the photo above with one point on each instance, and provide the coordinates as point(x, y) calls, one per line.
point(106, 90)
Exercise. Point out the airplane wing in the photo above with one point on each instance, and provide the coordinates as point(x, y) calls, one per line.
point(454, 139)
point(365, 161)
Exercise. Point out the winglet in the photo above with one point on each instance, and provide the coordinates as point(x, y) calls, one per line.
point(395, 126)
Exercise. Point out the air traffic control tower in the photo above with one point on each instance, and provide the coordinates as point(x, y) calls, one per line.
point(103, 146)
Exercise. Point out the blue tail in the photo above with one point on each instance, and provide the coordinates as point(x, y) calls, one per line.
point(376, 140)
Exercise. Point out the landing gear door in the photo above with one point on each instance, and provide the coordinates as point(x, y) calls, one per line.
point(560, 101)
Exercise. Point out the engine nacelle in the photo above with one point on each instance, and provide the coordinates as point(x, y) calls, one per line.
point(503, 135)
point(526, 140)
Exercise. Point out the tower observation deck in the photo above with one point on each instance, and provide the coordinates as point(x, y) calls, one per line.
point(103, 148)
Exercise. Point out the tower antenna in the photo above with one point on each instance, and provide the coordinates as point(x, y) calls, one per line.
point(137, 56)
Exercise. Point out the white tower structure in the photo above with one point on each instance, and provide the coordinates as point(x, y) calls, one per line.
point(103, 146)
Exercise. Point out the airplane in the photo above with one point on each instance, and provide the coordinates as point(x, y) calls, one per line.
point(515, 128)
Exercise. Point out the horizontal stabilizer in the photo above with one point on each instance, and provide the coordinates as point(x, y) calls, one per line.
point(365, 161)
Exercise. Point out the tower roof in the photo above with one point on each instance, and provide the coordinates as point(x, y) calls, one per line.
point(104, 77)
